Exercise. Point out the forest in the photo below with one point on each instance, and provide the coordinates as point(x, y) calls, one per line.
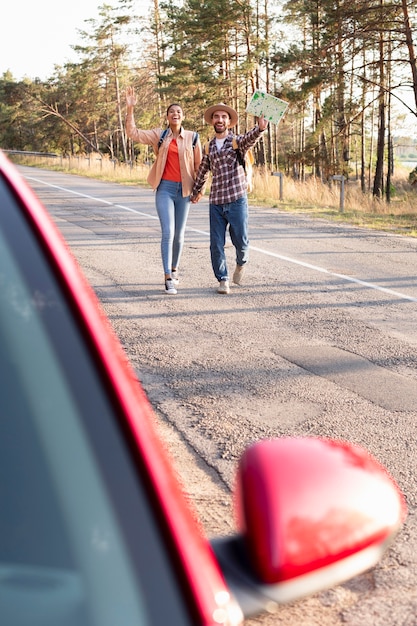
point(347, 69)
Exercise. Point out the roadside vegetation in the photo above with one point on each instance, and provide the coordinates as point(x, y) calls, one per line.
point(311, 197)
point(347, 69)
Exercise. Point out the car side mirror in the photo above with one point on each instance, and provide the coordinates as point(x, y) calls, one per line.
point(311, 514)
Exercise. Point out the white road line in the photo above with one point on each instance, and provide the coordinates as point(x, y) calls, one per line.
point(350, 279)
point(315, 268)
point(85, 195)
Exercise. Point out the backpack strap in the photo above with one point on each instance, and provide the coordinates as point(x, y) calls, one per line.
point(239, 156)
point(162, 137)
point(195, 139)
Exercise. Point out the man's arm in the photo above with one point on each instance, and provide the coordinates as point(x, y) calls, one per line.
point(201, 179)
point(249, 139)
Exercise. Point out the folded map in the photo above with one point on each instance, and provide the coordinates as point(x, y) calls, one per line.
point(270, 107)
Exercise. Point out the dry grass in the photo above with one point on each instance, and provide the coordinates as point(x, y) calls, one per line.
point(324, 200)
point(311, 197)
point(93, 166)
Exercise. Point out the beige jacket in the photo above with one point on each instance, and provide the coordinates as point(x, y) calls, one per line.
point(189, 157)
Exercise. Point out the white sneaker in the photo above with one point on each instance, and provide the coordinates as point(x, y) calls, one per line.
point(175, 277)
point(223, 287)
point(238, 274)
point(170, 287)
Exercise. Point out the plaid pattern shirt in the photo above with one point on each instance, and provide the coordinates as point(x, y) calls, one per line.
point(229, 180)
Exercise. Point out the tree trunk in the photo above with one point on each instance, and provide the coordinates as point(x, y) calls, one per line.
point(410, 46)
point(378, 188)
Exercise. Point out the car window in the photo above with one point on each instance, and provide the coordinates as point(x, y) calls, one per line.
point(79, 545)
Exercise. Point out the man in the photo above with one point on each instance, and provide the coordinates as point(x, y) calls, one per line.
point(228, 194)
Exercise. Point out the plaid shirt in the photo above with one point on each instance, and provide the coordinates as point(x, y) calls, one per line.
point(229, 180)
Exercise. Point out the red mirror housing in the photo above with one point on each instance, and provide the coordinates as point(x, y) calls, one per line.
point(307, 505)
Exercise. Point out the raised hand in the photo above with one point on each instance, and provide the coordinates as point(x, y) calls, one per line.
point(262, 123)
point(130, 97)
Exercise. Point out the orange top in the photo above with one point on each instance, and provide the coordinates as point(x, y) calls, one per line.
point(172, 166)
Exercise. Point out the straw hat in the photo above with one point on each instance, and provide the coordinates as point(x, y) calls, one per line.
point(221, 107)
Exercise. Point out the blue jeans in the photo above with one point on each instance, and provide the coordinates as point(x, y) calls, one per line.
point(172, 211)
point(234, 214)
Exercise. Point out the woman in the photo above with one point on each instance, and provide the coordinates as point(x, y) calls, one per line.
point(172, 176)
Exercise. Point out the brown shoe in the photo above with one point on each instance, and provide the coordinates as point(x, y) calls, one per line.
point(223, 287)
point(238, 274)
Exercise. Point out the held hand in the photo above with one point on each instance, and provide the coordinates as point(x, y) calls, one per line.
point(195, 199)
point(130, 97)
point(262, 123)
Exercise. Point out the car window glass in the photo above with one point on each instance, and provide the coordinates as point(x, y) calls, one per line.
point(78, 543)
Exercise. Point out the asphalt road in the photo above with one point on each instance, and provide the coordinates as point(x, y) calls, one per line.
point(320, 340)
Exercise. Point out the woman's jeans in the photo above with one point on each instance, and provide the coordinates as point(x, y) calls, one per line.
point(172, 211)
point(234, 214)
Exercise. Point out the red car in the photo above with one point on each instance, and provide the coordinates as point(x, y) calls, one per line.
point(94, 529)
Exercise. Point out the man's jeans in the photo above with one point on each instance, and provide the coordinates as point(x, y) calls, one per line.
point(172, 211)
point(234, 214)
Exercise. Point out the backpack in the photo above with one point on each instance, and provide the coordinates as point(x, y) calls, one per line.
point(165, 133)
point(246, 162)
